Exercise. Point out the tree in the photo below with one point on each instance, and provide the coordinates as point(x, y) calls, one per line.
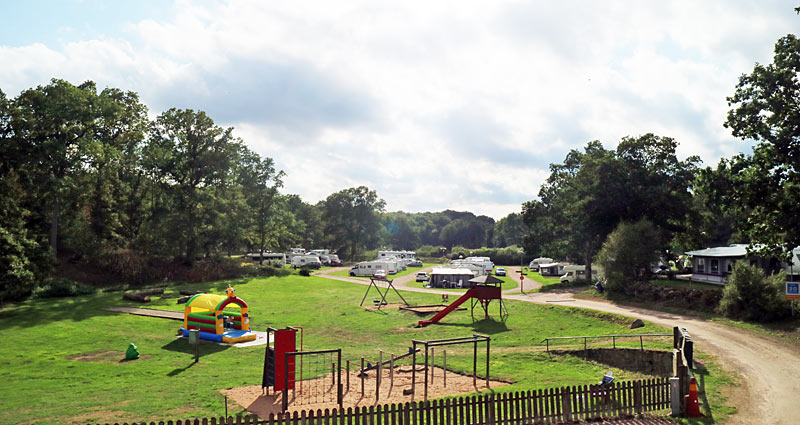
point(586, 197)
point(191, 157)
point(765, 108)
point(628, 251)
point(51, 127)
point(509, 230)
point(401, 235)
point(351, 218)
point(260, 182)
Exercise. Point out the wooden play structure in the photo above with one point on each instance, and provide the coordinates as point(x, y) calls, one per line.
point(204, 312)
point(484, 289)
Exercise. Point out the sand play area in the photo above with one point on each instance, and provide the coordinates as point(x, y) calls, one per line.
point(320, 393)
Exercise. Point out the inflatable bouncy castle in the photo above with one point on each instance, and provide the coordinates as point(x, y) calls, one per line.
point(205, 312)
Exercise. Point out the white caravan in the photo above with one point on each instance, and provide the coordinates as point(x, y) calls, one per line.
point(551, 269)
point(399, 254)
point(534, 265)
point(575, 273)
point(277, 259)
point(368, 268)
point(484, 262)
point(306, 261)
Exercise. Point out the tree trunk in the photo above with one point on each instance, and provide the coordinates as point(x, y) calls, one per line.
point(54, 225)
point(588, 260)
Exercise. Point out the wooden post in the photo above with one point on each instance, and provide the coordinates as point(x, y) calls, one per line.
point(348, 376)
point(683, 376)
point(426, 372)
point(475, 364)
point(391, 372)
point(444, 371)
point(566, 404)
point(378, 376)
point(362, 377)
point(637, 397)
point(488, 341)
point(433, 363)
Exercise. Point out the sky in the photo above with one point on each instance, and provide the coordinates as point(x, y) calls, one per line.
point(434, 105)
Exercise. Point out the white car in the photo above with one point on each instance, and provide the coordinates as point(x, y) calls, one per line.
point(422, 277)
point(500, 271)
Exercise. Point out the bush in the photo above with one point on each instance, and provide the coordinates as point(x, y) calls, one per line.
point(58, 288)
point(305, 272)
point(751, 295)
point(627, 253)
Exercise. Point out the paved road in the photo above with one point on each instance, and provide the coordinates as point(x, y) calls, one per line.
point(770, 368)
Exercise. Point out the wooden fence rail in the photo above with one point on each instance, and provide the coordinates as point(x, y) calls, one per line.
point(548, 406)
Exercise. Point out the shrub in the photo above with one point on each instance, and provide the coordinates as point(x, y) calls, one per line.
point(751, 295)
point(57, 288)
point(627, 251)
point(305, 272)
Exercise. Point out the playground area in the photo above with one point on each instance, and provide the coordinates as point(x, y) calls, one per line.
point(319, 393)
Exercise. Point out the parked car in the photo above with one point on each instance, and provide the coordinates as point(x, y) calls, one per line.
point(422, 277)
point(500, 271)
point(415, 263)
point(379, 274)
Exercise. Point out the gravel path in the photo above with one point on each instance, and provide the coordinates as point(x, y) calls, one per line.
point(770, 368)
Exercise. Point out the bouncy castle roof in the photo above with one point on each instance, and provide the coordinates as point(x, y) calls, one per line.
point(207, 302)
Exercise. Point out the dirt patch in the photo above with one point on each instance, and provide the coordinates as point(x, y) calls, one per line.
point(105, 356)
point(383, 307)
point(320, 393)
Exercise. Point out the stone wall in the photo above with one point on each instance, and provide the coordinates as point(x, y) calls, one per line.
point(657, 363)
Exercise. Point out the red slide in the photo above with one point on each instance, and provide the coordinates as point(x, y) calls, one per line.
point(467, 295)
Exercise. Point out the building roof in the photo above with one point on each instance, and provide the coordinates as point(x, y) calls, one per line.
point(735, 250)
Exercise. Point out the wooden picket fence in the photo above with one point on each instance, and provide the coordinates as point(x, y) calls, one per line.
point(550, 406)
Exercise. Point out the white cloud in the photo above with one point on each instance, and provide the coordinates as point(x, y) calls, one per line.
point(438, 105)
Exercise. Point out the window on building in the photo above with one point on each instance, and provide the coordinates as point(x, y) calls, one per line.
point(701, 265)
point(714, 266)
point(730, 266)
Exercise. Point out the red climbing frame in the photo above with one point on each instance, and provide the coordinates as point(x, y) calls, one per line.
point(483, 293)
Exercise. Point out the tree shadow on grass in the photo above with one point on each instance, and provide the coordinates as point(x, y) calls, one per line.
point(181, 345)
point(486, 326)
point(51, 310)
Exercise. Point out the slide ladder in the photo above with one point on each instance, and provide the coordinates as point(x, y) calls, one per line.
point(467, 295)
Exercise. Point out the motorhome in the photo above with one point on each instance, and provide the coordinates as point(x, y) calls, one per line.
point(306, 261)
point(576, 273)
point(534, 265)
point(551, 269)
point(368, 268)
point(398, 254)
point(277, 259)
point(294, 252)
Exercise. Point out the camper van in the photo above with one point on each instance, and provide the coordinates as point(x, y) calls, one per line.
point(575, 273)
point(534, 265)
point(306, 261)
point(277, 259)
point(368, 268)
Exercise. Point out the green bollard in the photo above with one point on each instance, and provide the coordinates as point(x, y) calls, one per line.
point(132, 353)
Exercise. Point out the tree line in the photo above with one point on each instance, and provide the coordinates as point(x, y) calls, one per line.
point(85, 172)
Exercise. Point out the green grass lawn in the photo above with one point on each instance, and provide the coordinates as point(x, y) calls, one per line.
point(544, 280)
point(42, 340)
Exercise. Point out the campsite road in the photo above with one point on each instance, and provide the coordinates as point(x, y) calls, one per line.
point(769, 368)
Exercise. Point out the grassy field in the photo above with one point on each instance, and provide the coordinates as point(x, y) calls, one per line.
point(46, 345)
point(544, 280)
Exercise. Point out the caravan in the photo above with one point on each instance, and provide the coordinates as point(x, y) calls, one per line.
point(551, 269)
point(306, 261)
point(484, 263)
point(534, 265)
point(276, 259)
point(575, 273)
point(368, 268)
